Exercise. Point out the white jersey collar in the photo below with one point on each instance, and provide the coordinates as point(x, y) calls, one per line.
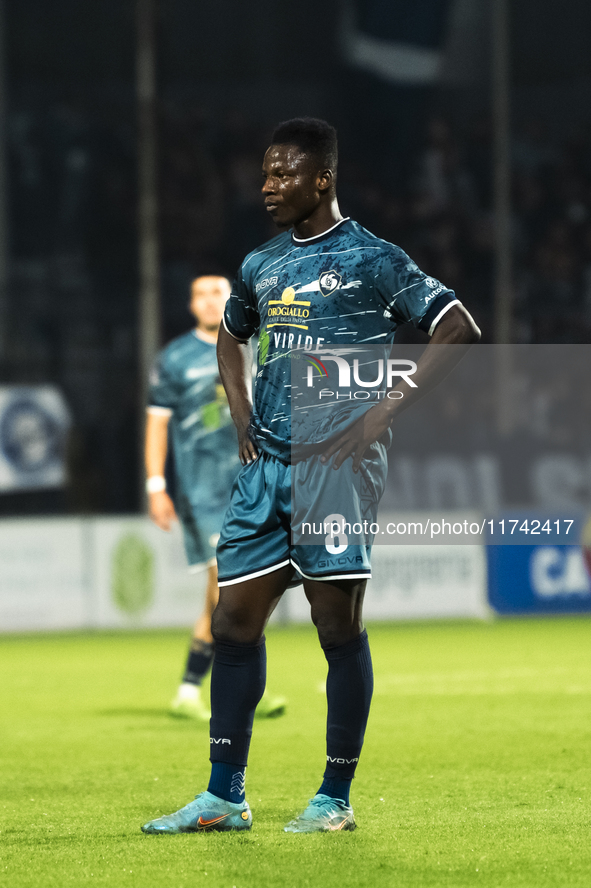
point(310, 240)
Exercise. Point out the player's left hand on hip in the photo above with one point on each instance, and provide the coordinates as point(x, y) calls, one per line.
point(358, 437)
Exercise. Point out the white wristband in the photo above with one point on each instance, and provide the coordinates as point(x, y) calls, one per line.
point(155, 484)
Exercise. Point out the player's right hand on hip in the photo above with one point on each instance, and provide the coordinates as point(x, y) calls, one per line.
point(247, 450)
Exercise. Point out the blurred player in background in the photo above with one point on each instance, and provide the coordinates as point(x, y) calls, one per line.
point(187, 404)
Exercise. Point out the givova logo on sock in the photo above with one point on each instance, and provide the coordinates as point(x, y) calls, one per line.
point(340, 761)
point(218, 740)
point(237, 784)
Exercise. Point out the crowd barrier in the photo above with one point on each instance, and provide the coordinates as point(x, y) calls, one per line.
point(124, 573)
point(119, 573)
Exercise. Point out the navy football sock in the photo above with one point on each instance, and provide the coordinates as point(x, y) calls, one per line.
point(336, 789)
point(227, 782)
point(238, 680)
point(198, 661)
point(349, 687)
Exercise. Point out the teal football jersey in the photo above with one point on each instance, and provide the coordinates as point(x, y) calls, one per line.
point(344, 286)
point(185, 383)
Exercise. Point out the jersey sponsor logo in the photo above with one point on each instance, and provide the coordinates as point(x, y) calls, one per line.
point(288, 311)
point(289, 341)
point(268, 282)
point(435, 293)
point(292, 312)
point(329, 281)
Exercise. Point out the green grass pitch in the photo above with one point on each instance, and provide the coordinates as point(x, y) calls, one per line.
point(475, 769)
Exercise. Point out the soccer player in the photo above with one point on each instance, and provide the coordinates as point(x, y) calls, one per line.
point(326, 280)
point(189, 405)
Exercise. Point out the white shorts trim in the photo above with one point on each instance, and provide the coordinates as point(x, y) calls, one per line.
point(340, 576)
point(160, 411)
point(443, 311)
point(252, 576)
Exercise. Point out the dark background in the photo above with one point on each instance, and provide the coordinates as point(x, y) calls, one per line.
point(416, 169)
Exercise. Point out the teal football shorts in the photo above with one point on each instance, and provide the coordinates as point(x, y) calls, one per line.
point(201, 532)
point(256, 536)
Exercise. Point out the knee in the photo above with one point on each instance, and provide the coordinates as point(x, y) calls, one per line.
point(335, 629)
point(235, 624)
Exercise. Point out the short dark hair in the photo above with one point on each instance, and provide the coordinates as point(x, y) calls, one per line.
point(312, 136)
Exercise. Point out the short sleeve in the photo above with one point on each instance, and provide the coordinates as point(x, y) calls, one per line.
point(164, 393)
point(241, 316)
point(409, 295)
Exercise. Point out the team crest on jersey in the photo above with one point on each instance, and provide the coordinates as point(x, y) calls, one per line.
point(329, 281)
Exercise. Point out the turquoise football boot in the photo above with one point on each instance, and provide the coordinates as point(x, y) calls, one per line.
point(207, 813)
point(323, 814)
